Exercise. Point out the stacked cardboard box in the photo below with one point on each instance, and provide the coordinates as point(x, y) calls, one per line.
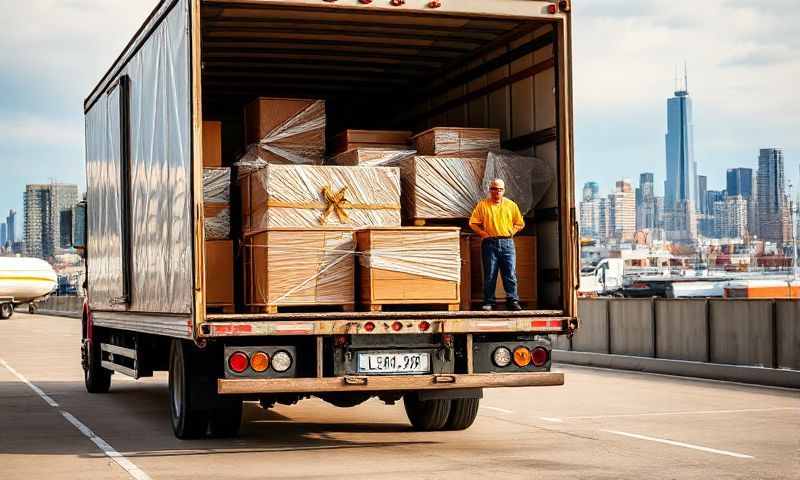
point(217, 220)
point(385, 139)
point(212, 144)
point(409, 266)
point(441, 188)
point(372, 157)
point(526, 271)
point(457, 142)
point(216, 203)
point(286, 130)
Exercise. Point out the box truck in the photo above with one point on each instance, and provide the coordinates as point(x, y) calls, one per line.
point(385, 65)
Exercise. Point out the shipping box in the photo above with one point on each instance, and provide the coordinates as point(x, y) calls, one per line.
point(299, 267)
point(219, 273)
point(311, 196)
point(527, 287)
point(389, 139)
point(286, 130)
point(457, 142)
point(212, 143)
point(372, 157)
point(445, 188)
point(409, 265)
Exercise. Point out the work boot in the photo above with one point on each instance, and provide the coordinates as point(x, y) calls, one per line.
point(487, 307)
point(514, 306)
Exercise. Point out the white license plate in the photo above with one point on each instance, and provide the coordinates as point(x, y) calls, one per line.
point(393, 363)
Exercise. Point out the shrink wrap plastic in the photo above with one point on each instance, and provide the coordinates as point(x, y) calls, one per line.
point(299, 141)
point(218, 227)
point(457, 142)
point(303, 267)
point(373, 157)
point(313, 196)
point(426, 254)
point(527, 178)
point(216, 185)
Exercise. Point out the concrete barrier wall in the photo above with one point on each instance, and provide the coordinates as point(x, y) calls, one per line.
point(753, 333)
point(68, 306)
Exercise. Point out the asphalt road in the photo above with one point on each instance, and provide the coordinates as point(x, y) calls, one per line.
point(601, 424)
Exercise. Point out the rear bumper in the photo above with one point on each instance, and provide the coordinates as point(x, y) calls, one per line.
point(233, 386)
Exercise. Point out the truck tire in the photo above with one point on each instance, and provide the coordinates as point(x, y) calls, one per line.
point(225, 418)
point(6, 310)
point(429, 415)
point(96, 379)
point(32, 308)
point(188, 392)
point(463, 412)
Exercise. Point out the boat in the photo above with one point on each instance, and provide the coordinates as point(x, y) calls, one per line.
point(771, 288)
point(24, 280)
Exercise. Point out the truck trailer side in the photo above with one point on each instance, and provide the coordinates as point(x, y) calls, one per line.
point(411, 65)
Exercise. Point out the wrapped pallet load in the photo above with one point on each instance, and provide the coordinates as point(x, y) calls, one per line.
point(381, 139)
point(219, 246)
point(291, 267)
point(372, 157)
point(285, 131)
point(409, 266)
point(457, 142)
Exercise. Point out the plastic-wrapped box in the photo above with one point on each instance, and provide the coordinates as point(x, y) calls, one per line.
point(217, 224)
point(441, 187)
point(299, 267)
point(285, 131)
point(388, 139)
point(316, 196)
point(372, 157)
point(457, 142)
point(216, 203)
point(409, 265)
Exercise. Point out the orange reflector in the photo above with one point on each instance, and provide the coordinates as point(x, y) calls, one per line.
point(522, 357)
point(259, 361)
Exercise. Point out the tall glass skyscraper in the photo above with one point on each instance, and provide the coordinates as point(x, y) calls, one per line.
point(680, 188)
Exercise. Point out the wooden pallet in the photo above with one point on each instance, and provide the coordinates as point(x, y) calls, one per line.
point(295, 308)
point(374, 307)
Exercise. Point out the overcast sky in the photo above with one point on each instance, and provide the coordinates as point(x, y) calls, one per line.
point(743, 58)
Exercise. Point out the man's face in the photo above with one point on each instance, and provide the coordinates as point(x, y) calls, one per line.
point(496, 193)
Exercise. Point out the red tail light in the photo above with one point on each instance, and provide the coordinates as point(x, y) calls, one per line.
point(238, 362)
point(397, 326)
point(369, 326)
point(424, 326)
point(539, 356)
point(552, 9)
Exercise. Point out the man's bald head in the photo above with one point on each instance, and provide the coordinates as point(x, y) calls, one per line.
point(497, 188)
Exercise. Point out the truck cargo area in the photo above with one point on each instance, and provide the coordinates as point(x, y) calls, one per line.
point(389, 69)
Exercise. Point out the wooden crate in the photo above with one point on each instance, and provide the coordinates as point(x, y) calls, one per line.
point(457, 142)
point(391, 276)
point(299, 267)
point(352, 139)
point(212, 144)
point(219, 273)
point(267, 119)
point(441, 188)
point(527, 287)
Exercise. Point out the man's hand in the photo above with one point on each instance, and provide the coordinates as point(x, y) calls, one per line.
point(483, 234)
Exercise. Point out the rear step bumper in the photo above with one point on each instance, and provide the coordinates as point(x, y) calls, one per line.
point(233, 386)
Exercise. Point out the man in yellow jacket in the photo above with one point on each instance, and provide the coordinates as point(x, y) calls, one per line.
point(496, 220)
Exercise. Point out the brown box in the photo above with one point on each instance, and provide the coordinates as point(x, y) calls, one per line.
point(409, 265)
point(288, 130)
point(466, 273)
point(212, 144)
point(526, 271)
point(279, 196)
point(219, 273)
point(441, 187)
point(217, 218)
point(457, 142)
point(293, 267)
point(372, 157)
point(389, 139)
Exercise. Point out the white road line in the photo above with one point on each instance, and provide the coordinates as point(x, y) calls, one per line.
point(685, 412)
point(135, 472)
point(501, 410)
point(679, 444)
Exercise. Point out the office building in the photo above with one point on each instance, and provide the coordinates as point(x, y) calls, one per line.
point(741, 181)
point(11, 219)
point(591, 190)
point(43, 223)
point(730, 217)
point(3, 237)
point(773, 205)
point(622, 204)
point(646, 202)
point(702, 188)
point(680, 187)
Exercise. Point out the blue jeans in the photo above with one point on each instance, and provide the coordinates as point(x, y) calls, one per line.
point(499, 254)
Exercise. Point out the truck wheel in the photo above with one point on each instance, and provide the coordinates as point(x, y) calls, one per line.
point(187, 392)
point(96, 378)
point(463, 412)
point(32, 308)
point(426, 415)
point(226, 418)
point(6, 310)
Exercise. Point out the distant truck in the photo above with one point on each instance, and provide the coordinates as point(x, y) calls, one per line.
point(605, 278)
point(404, 65)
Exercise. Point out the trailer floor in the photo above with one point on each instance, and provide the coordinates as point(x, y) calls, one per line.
point(601, 424)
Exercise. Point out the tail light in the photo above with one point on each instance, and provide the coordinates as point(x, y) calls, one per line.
point(281, 361)
point(539, 356)
point(259, 362)
point(501, 357)
point(238, 362)
point(447, 340)
point(369, 326)
point(424, 326)
point(397, 326)
point(522, 357)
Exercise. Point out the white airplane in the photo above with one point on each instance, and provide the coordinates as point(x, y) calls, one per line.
point(24, 280)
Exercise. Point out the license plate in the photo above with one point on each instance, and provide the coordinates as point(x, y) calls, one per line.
point(394, 363)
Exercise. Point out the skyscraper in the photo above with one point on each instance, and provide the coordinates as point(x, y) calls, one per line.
point(623, 211)
point(773, 204)
point(3, 237)
point(11, 236)
point(43, 206)
point(702, 188)
point(741, 181)
point(646, 202)
point(680, 194)
point(590, 191)
point(730, 217)
point(592, 214)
